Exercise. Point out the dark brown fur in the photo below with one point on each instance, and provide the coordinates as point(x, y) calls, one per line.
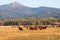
point(33, 28)
point(41, 28)
point(20, 28)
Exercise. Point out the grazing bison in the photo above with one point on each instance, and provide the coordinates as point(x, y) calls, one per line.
point(44, 27)
point(58, 25)
point(27, 27)
point(33, 28)
point(41, 28)
point(20, 28)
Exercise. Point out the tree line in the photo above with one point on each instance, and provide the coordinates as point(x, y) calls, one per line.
point(28, 21)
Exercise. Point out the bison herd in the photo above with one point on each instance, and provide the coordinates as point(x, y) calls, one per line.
point(31, 27)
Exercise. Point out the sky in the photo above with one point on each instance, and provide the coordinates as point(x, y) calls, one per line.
point(34, 3)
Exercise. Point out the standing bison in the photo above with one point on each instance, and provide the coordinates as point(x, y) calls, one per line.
point(20, 28)
point(32, 28)
point(42, 27)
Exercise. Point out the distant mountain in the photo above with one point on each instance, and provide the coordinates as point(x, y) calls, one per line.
point(47, 12)
point(18, 10)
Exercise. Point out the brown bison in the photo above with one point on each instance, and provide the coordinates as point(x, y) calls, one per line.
point(58, 25)
point(32, 28)
point(41, 28)
point(20, 28)
point(27, 26)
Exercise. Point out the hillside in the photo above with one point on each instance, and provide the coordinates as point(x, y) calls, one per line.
point(18, 10)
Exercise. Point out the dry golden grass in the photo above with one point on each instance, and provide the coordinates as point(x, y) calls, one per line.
point(9, 33)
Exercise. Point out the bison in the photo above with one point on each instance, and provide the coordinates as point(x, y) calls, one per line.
point(20, 28)
point(41, 28)
point(33, 28)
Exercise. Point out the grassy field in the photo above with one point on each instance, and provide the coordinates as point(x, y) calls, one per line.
point(9, 33)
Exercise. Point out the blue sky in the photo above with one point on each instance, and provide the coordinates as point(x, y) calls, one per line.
point(34, 3)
